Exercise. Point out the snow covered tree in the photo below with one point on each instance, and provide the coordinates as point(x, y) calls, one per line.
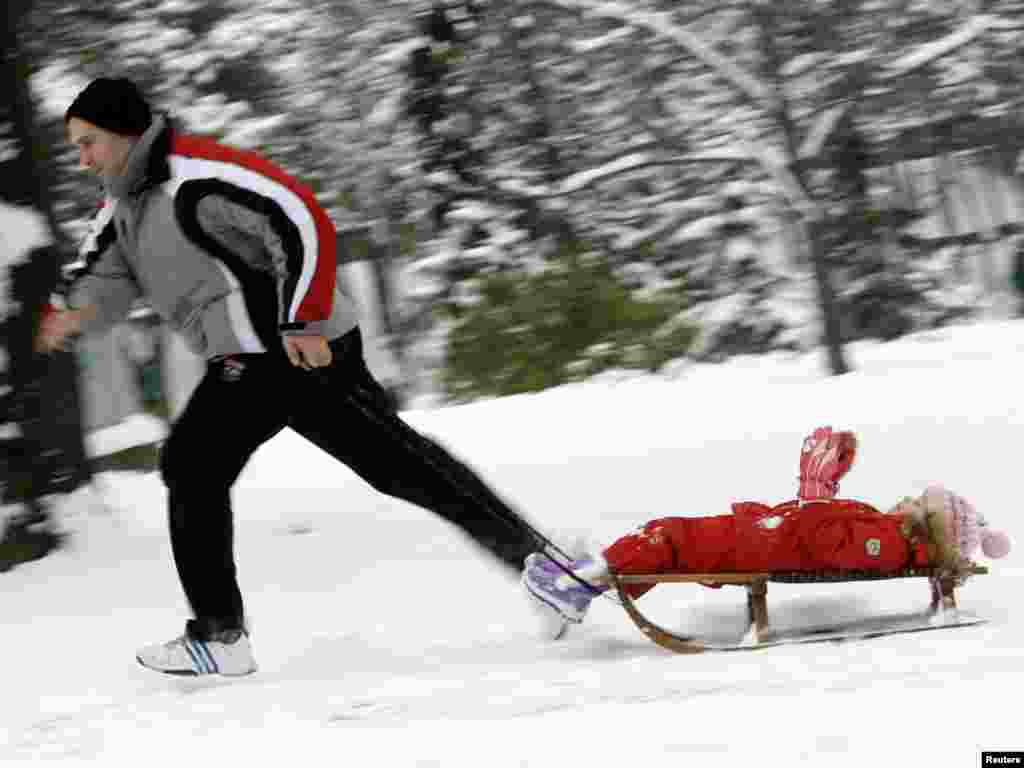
point(41, 450)
point(43, 455)
point(25, 152)
point(515, 118)
point(353, 89)
point(764, 93)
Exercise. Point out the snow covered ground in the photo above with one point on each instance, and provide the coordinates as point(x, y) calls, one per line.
point(386, 640)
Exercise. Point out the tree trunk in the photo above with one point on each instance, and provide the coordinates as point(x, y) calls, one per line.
point(767, 15)
point(383, 257)
point(32, 182)
point(833, 336)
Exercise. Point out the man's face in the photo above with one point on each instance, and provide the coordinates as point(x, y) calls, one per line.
point(101, 151)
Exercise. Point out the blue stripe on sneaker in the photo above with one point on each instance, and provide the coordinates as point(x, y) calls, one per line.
point(198, 657)
point(192, 655)
point(209, 658)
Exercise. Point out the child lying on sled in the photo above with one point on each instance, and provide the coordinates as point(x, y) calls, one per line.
point(815, 532)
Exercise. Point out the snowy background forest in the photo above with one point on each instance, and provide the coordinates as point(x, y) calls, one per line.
point(703, 179)
point(538, 203)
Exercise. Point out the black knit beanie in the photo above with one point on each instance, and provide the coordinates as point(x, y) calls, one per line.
point(114, 104)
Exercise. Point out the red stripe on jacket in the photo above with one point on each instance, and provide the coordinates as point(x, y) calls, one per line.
point(319, 299)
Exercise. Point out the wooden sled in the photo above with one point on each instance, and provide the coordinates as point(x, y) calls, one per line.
point(942, 614)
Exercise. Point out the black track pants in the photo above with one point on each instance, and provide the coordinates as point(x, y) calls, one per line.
point(245, 400)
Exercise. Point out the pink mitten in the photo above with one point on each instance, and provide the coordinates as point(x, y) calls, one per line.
point(825, 458)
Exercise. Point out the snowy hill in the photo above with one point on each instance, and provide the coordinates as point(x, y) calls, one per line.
point(384, 639)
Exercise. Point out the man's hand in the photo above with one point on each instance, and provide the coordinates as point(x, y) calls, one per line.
point(307, 352)
point(57, 328)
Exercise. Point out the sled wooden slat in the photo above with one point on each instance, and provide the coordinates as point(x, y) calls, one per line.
point(706, 578)
point(785, 577)
point(942, 591)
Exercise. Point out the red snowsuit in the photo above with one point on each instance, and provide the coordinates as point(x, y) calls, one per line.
point(835, 534)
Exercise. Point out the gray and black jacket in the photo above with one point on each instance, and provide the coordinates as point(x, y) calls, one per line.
point(227, 248)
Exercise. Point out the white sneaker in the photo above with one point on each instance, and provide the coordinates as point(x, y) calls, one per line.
point(227, 653)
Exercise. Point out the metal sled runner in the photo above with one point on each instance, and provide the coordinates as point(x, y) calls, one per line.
point(942, 614)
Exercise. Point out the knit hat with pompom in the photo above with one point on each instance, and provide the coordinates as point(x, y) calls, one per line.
point(957, 530)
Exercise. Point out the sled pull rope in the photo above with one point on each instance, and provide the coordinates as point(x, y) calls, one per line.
point(606, 594)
